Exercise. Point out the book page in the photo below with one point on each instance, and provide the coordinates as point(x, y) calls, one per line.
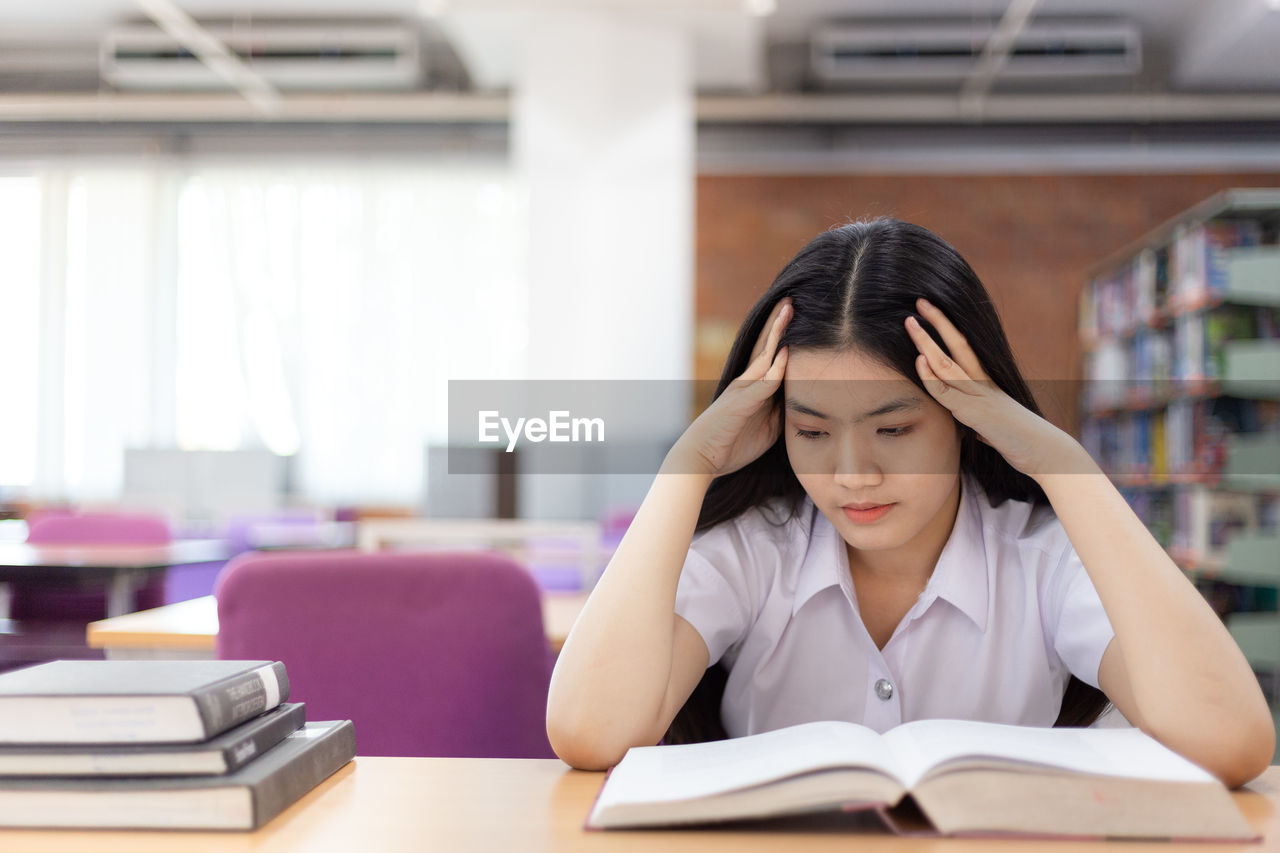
point(923, 745)
point(686, 771)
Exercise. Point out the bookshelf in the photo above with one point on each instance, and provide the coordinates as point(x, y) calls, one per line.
point(1180, 404)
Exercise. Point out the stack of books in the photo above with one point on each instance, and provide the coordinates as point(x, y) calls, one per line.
point(158, 745)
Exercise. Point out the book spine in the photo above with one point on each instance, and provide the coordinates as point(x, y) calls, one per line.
point(255, 743)
point(288, 784)
point(234, 700)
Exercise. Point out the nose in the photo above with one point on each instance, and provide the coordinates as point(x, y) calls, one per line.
point(857, 468)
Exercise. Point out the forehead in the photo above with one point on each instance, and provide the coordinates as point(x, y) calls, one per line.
point(845, 384)
point(838, 365)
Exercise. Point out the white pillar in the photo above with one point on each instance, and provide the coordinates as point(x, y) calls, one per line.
point(603, 136)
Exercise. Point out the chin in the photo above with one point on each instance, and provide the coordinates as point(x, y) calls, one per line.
point(873, 543)
point(870, 538)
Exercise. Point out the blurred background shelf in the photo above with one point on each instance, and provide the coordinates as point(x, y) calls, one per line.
point(1181, 341)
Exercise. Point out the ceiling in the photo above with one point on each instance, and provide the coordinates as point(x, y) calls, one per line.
point(792, 19)
point(1187, 45)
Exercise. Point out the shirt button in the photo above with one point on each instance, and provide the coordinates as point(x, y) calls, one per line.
point(884, 689)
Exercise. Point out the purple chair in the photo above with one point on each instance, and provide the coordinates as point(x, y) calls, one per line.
point(429, 654)
point(44, 602)
point(49, 619)
point(99, 528)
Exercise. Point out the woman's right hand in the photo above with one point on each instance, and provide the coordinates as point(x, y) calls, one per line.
point(742, 423)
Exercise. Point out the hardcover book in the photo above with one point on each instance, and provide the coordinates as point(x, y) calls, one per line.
point(222, 754)
point(931, 777)
point(243, 800)
point(135, 701)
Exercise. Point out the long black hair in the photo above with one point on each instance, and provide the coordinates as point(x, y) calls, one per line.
point(850, 288)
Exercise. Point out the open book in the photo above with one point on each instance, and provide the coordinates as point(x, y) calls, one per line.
point(929, 777)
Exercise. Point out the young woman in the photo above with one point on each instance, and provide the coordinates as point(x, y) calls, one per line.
point(887, 529)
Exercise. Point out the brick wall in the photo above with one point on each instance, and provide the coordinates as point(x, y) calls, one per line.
point(1030, 238)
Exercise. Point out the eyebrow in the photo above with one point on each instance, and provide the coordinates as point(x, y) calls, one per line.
point(898, 405)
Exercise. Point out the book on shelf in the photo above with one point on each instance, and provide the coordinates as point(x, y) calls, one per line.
point(143, 701)
point(1205, 520)
point(221, 754)
point(1195, 349)
point(1162, 310)
point(1199, 254)
point(1197, 522)
point(1155, 508)
point(930, 777)
point(1146, 300)
point(243, 800)
point(1185, 437)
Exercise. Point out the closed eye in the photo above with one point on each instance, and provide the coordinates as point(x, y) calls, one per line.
point(888, 432)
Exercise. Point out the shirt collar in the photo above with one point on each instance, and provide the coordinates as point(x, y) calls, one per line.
point(960, 576)
point(825, 563)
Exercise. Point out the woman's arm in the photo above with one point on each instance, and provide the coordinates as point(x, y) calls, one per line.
point(630, 662)
point(1172, 668)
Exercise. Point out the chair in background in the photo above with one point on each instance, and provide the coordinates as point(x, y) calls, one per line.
point(429, 654)
point(39, 601)
point(99, 528)
point(49, 620)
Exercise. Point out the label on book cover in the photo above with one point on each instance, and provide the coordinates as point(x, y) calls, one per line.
point(270, 684)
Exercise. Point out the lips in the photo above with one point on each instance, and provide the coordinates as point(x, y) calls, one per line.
point(866, 516)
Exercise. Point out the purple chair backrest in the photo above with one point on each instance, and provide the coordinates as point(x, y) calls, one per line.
point(99, 529)
point(429, 654)
point(31, 601)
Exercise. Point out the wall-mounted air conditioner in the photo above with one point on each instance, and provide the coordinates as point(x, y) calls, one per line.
point(944, 50)
point(291, 56)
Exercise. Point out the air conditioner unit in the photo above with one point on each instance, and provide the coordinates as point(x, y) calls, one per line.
point(948, 50)
point(291, 56)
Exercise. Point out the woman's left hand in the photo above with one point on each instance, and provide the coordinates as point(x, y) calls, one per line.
point(1027, 441)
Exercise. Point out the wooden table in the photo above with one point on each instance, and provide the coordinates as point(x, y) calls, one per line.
point(393, 804)
point(121, 568)
point(189, 629)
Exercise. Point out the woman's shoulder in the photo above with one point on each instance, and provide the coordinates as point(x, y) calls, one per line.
point(1028, 552)
point(778, 519)
point(1032, 529)
point(759, 539)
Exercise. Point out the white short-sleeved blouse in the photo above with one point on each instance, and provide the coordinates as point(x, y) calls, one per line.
point(1007, 616)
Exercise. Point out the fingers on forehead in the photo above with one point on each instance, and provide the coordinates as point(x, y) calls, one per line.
point(943, 331)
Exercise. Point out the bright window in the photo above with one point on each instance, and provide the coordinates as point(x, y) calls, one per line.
point(20, 216)
point(317, 311)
